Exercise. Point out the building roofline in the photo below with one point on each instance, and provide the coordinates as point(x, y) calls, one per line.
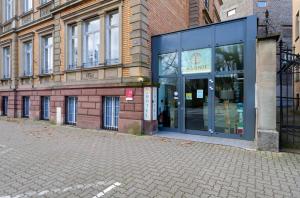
point(205, 26)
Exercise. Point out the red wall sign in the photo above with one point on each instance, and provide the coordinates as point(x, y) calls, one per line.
point(129, 94)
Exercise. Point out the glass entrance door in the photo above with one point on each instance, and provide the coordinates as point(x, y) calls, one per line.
point(197, 105)
point(168, 104)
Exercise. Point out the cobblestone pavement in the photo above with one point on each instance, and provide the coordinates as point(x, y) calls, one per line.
point(42, 160)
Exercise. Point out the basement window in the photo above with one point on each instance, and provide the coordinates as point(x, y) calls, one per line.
point(71, 116)
point(111, 108)
point(4, 105)
point(25, 107)
point(45, 108)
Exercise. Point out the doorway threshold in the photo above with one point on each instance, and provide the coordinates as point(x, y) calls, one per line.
point(244, 144)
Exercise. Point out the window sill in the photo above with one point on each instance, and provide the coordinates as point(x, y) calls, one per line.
point(72, 70)
point(5, 79)
point(8, 21)
point(26, 13)
point(91, 68)
point(44, 75)
point(26, 77)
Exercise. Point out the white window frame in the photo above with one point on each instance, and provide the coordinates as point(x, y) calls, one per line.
point(71, 38)
point(44, 2)
point(111, 110)
point(26, 107)
point(6, 62)
point(27, 58)
point(261, 4)
point(8, 9)
point(109, 40)
point(71, 110)
point(27, 5)
point(86, 34)
point(46, 54)
point(231, 12)
point(45, 107)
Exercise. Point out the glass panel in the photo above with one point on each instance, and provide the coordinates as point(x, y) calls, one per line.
point(113, 43)
point(28, 59)
point(168, 103)
point(73, 54)
point(92, 43)
point(196, 61)
point(117, 110)
point(229, 101)
point(168, 64)
point(229, 58)
point(6, 61)
point(196, 104)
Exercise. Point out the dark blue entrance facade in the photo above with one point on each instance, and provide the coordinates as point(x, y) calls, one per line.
point(206, 79)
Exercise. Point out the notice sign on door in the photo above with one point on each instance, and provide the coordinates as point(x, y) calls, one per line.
point(189, 96)
point(200, 93)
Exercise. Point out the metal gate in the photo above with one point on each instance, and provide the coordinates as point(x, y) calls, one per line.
point(288, 91)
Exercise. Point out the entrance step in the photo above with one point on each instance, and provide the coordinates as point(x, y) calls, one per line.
point(248, 145)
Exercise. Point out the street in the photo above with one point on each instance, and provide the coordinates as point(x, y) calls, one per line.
point(38, 159)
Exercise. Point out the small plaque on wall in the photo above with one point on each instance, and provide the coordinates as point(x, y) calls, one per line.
point(154, 103)
point(129, 94)
point(147, 103)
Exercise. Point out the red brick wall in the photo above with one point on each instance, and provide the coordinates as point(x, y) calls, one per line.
point(89, 112)
point(167, 16)
point(11, 102)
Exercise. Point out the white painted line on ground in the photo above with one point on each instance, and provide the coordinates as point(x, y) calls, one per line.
point(101, 194)
point(55, 190)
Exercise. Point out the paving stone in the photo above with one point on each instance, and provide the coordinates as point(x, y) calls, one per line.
point(71, 162)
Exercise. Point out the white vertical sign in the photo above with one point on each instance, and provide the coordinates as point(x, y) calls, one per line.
point(147, 103)
point(154, 103)
point(58, 116)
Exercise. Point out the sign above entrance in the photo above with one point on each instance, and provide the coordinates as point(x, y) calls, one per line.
point(196, 61)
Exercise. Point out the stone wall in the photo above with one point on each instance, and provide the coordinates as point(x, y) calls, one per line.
point(267, 137)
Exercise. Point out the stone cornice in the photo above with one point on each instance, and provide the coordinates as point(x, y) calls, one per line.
point(89, 9)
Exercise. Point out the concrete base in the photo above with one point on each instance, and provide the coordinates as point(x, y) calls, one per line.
point(248, 145)
point(267, 140)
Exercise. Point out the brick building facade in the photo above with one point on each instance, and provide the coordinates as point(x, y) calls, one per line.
point(76, 61)
point(278, 22)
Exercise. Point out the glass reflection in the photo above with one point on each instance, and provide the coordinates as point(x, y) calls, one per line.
point(196, 104)
point(168, 64)
point(168, 103)
point(229, 107)
point(229, 58)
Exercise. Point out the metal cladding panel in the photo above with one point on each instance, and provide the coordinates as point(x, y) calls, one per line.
point(197, 38)
point(231, 32)
point(167, 43)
